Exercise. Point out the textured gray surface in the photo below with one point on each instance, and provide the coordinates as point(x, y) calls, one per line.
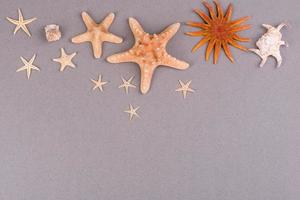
point(236, 138)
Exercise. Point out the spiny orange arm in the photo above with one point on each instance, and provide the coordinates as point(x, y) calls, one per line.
point(201, 43)
point(228, 13)
point(219, 9)
point(241, 39)
point(239, 21)
point(210, 9)
point(197, 24)
point(217, 52)
point(240, 28)
point(203, 15)
point(196, 33)
point(235, 44)
point(209, 49)
point(227, 51)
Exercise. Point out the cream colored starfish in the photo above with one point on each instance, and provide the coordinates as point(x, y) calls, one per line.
point(65, 60)
point(127, 84)
point(96, 34)
point(99, 83)
point(185, 88)
point(132, 112)
point(28, 66)
point(21, 23)
point(149, 52)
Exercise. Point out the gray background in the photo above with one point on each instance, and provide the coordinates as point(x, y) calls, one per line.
point(236, 138)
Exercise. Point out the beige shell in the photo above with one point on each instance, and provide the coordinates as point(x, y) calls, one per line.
point(52, 32)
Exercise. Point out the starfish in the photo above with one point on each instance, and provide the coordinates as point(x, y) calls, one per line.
point(99, 83)
point(127, 84)
point(132, 112)
point(185, 88)
point(65, 60)
point(28, 66)
point(97, 33)
point(21, 23)
point(149, 51)
point(219, 31)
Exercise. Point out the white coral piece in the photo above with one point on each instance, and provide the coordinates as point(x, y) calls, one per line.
point(52, 32)
point(269, 44)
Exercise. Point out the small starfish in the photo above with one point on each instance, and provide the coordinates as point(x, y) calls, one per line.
point(132, 111)
point(127, 84)
point(149, 52)
point(65, 60)
point(99, 83)
point(185, 88)
point(21, 23)
point(28, 66)
point(97, 33)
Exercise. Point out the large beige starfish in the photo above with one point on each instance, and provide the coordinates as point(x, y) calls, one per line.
point(132, 112)
point(97, 33)
point(99, 83)
point(21, 23)
point(28, 66)
point(127, 84)
point(149, 52)
point(65, 60)
point(185, 88)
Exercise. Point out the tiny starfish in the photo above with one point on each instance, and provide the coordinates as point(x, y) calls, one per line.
point(219, 31)
point(65, 60)
point(149, 52)
point(185, 88)
point(97, 33)
point(21, 23)
point(99, 83)
point(28, 66)
point(127, 84)
point(132, 112)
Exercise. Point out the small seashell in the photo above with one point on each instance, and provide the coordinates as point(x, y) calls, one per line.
point(52, 32)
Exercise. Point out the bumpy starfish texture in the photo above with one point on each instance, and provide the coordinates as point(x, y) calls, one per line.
point(185, 88)
point(99, 83)
point(269, 44)
point(149, 51)
point(132, 112)
point(96, 34)
point(219, 31)
point(21, 23)
point(28, 66)
point(65, 60)
point(127, 84)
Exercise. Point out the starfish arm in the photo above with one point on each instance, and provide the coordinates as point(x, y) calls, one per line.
point(201, 43)
point(196, 33)
point(203, 16)
point(16, 29)
point(121, 57)
point(239, 21)
point(22, 68)
point(175, 63)
point(24, 28)
point(209, 48)
point(97, 48)
point(88, 21)
point(35, 68)
point(57, 60)
point(28, 72)
point(112, 38)
point(24, 61)
point(219, 9)
point(228, 14)
point(108, 20)
point(217, 52)
point(136, 28)
point(13, 21)
point(85, 37)
point(32, 59)
point(227, 51)
point(169, 32)
point(146, 77)
point(241, 39)
point(197, 25)
point(21, 19)
point(235, 44)
point(28, 21)
point(240, 28)
point(210, 9)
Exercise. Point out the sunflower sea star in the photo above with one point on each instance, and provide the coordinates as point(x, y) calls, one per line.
point(219, 31)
